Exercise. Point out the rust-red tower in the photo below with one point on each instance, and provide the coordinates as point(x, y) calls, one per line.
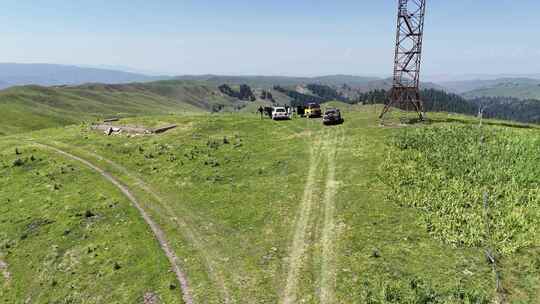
point(408, 57)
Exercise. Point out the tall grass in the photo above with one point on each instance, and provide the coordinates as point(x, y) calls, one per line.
point(444, 171)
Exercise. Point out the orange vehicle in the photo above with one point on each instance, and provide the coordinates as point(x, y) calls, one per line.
point(313, 110)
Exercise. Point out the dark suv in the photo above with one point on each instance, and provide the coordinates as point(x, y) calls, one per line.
point(332, 117)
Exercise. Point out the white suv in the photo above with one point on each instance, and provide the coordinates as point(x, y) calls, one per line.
point(280, 113)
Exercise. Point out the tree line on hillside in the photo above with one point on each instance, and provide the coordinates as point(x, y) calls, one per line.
point(266, 95)
point(245, 92)
point(526, 111)
point(299, 99)
point(507, 108)
point(326, 92)
point(434, 101)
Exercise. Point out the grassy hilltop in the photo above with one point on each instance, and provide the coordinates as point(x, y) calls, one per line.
point(259, 211)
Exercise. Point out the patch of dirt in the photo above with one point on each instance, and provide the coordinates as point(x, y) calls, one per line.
point(112, 129)
point(300, 135)
point(151, 298)
point(158, 233)
point(4, 268)
point(109, 129)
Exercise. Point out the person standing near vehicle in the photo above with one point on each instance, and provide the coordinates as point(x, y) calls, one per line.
point(261, 111)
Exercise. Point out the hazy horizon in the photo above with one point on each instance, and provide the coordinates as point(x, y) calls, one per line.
point(441, 78)
point(261, 38)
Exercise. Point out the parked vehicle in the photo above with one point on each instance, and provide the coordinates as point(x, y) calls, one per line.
point(280, 113)
point(332, 117)
point(301, 111)
point(313, 110)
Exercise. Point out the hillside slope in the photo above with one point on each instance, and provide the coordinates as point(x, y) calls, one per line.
point(508, 89)
point(270, 81)
point(33, 107)
point(386, 84)
point(518, 91)
point(464, 86)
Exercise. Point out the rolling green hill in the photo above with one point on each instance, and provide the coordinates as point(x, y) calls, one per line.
point(464, 86)
point(258, 211)
point(29, 108)
point(386, 84)
point(33, 107)
point(522, 89)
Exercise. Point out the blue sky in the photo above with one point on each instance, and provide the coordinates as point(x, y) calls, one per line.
point(297, 37)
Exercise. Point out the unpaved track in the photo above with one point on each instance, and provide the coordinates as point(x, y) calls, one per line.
point(180, 224)
point(191, 235)
point(328, 267)
point(158, 233)
point(211, 266)
point(325, 152)
point(299, 245)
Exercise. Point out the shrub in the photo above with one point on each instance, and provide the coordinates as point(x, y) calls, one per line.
point(18, 162)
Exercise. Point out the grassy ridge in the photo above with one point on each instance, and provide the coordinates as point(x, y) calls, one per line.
point(32, 107)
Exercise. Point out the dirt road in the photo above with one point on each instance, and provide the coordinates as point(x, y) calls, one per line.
point(195, 239)
point(158, 232)
point(323, 151)
point(298, 247)
point(328, 267)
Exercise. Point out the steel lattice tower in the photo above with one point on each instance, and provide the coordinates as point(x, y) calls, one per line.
point(410, 30)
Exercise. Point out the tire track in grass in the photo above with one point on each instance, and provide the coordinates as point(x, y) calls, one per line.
point(158, 233)
point(4, 268)
point(180, 223)
point(299, 243)
point(328, 266)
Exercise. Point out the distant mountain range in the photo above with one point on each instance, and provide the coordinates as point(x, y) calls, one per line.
point(471, 85)
point(16, 74)
point(271, 81)
point(360, 83)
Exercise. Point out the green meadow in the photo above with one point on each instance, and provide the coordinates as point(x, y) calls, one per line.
point(259, 211)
